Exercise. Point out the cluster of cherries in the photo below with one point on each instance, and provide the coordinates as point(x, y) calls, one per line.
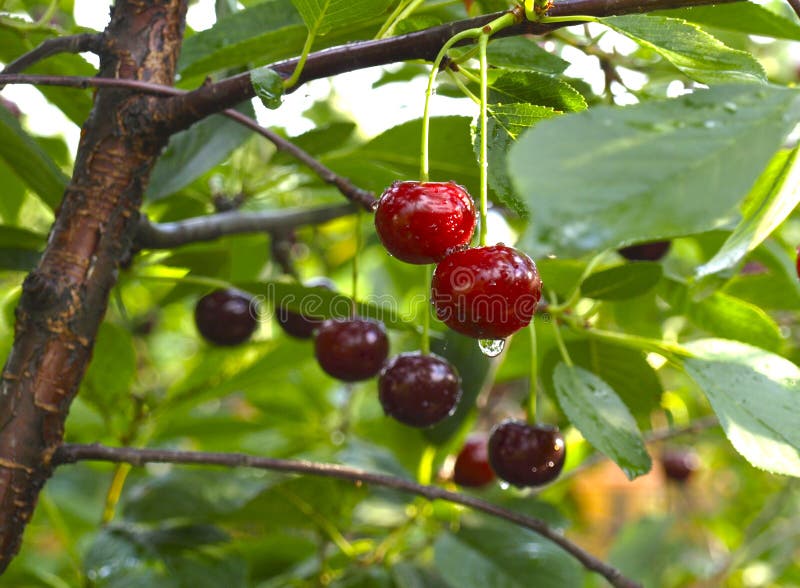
point(486, 292)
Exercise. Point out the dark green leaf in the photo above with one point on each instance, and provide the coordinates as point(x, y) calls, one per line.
point(537, 89)
point(743, 17)
point(498, 554)
point(321, 16)
point(709, 146)
point(193, 152)
point(693, 51)
point(524, 53)
point(597, 412)
point(29, 161)
point(623, 281)
point(772, 199)
point(732, 318)
point(112, 371)
point(755, 395)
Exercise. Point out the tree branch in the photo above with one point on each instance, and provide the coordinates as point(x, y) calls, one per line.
point(72, 453)
point(207, 228)
point(72, 44)
point(364, 198)
point(188, 108)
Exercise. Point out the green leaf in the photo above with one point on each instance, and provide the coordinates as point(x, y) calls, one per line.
point(524, 53)
point(30, 162)
point(20, 248)
point(597, 412)
point(743, 17)
point(697, 54)
point(268, 85)
point(651, 171)
point(193, 152)
point(394, 155)
point(501, 555)
point(732, 318)
point(624, 369)
point(321, 16)
point(112, 370)
point(623, 281)
point(773, 198)
point(506, 123)
point(535, 88)
point(755, 395)
point(561, 276)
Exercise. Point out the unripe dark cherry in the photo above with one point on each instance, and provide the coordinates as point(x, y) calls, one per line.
point(472, 467)
point(225, 317)
point(419, 390)
point(351, 350)
point(486, 292)
point(652, 251)
point(296, 324)
point(679, 464)
point(526, 455)
point(422, 222)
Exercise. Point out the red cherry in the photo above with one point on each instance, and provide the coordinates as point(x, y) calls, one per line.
point(472, 467)
point(679, 464)
point(351, 350)
point(296, 324)
point(652, 251)
point(486, 292)
point(526, 455)
point(225, 317)
point(422, 222)
point(419, 390)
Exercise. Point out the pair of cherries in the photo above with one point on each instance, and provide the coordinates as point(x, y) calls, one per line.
point(482, 292)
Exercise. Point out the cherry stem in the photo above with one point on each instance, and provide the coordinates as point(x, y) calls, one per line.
point(534, 372)
point(562, 348)
point(403, 11)
point(298, 69)
point(425, 341)
point(358, 240)
point(484, 161)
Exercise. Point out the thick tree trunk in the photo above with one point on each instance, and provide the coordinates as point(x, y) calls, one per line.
point(65, 297)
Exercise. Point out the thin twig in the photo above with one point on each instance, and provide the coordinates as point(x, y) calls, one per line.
point(72, 453)
point(363, 198)
point(210, 227)
point(72, 44)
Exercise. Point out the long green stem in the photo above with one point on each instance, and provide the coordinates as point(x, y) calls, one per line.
point(484, 120)
point(358, 239)
point(534, 374)
point(292, 80)
point(425, 342)
point(403, 11)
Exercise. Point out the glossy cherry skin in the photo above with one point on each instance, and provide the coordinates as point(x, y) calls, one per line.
point(486, 292)
point(652, 251)
point(472, 467)
point(225, 317)
point(351, 349)
point(422, 222)
point(679, 464)
point(296, 324)
point(526, 455)
point(419, 390)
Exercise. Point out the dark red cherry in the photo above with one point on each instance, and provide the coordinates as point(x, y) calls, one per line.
point(679, 464)
point(526, 455)
point(486, 292)
point(225, 317)
point(297, 324)
point(351, 349)
point(472, 467)
point(652, 251)
point(422, 222)
point(419, 390)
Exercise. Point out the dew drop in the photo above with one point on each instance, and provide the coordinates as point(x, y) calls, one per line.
point(491, 347)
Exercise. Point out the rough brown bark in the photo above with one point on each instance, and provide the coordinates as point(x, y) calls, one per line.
point(65, 297)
